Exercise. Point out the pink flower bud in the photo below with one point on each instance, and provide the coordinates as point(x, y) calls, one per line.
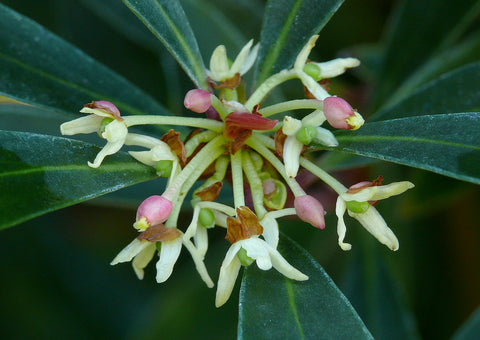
point(106, 107)
point(197, 100)
point(152, 211)
point(338, 111)
point(310, 210)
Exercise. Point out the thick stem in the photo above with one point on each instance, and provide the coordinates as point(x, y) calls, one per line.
point(203, 123)
point(297, 104)
point(237, 179)
point(256, 186)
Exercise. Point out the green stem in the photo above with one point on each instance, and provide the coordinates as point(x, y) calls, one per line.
point(256, 186)
point(203, 123)
point(297, 104)
point(323, 175)
point(237, 179)
point(218, 105)
point(195, 141)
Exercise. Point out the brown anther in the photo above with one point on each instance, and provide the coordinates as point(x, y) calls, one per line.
point(240, 141)
point(279, 142)
point(211, 192)
point(231, 83)
point(159, 233)
point(172, 138)
point(244, 226)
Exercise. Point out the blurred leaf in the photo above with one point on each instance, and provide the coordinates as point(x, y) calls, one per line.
point(39, 68)
point(337, 161)
point(456, 91)
point(471, 329)
point(42, 173)
point(438, 143)
point(168, 22)
point(274, 307)
point(372, 291)
point(287, 26)
point(466, 52)
point(407, 49)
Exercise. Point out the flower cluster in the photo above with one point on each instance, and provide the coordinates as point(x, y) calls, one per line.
point(237, 141)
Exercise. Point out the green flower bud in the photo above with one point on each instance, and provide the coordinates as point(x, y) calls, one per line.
point(357, 207)
point(243, 257)
point(306, 134)
point(313, 70)
point(103, 125)
point(164, 168)
point(206, 217)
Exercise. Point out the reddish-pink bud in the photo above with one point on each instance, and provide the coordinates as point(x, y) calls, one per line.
point(155, 209)
point(197, 100)
point(337, 111)
point(310, 210)
point(106, 107)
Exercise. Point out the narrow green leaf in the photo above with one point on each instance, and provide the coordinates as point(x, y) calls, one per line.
point(168, 22)
point(447, 144)
point(287, 26)
point(274, 307)
point(407, 49)
point(471, 329)
point(39, 68)
point(40, 173)
point(456, 91)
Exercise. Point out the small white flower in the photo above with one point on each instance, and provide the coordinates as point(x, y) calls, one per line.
point(219, 65)
point(115, 132)
point(265, 256)
point(357, 198)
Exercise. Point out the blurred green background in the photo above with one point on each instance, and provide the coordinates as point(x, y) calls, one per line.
point(55, 277)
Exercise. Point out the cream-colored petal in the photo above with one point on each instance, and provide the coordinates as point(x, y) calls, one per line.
point(291, 125)
point(303, 55)
point(316, 118)
point(144, 157)
point(313, 87)
point(283, 267)
point(192, 228)
point(325, 137)
point(87, 124)
point(201, 240)
point(250, 60)
point(169, 253)
point(270, 230)
point(292, 149)
point(198, 260)
point(97, 112)
point(220, 219)
point(336, 67)
point(140, 140)
point(379, 192)
point(219, 64)
point(115, 133)
point(257, 250)
point(226, 280)
point(340, 209)
point(240, 59)
point(130, 251)
point(142, 259)
point(375, 225)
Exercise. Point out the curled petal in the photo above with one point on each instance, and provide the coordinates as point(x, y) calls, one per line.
point(291, 126)
point(270, 231)
point(375, 225)
point(340, 209)
point(250, 59)
point(201, 240)
point(168, 256)
point(257, 250)
point(283, 267)
point(303, 55)
point(130, 251)
point(115, 134)
point(239, 61)
point(337, 66)
point(228, 275)
point(325, 137)
point(142, 259)
point(87, 124)
point(291, 155)
point(199, 264)
point(380, 192)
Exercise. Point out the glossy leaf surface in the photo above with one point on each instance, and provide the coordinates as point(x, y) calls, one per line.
point(41, 69)
point(437, 143)
point(42, 173)
point(287, 26)
point(274, 307)
point(168, 22)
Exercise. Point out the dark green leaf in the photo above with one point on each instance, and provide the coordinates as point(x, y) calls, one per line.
point(39, 68)
point(471, 329)
point(420, 31)
point(372, 291)
point(274, 307)
point(42, 173)
point(447, 144)
point(456, 91)
point(287, 26)
point(168, 22)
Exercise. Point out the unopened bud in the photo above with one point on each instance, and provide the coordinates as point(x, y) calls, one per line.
point(197, 100)
point(310, 210)
point(154, 210)
point(340, 114)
